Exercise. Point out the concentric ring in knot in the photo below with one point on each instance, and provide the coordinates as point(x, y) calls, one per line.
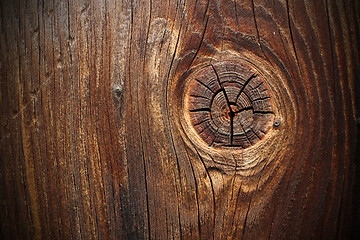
point(229, 105)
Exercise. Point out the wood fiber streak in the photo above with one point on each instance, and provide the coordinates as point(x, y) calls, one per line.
point(96, 142)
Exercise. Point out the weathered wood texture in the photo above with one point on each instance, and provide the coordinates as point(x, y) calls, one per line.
point(229, 105)
point(93, 139)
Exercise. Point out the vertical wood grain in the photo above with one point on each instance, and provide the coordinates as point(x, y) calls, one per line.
point(92, 141)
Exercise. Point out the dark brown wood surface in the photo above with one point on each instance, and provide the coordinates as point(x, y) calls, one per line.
point(95, 140)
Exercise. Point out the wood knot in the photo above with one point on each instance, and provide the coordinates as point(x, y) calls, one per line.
point(229, 105)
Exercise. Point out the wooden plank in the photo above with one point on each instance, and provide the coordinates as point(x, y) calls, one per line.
point(97, 142)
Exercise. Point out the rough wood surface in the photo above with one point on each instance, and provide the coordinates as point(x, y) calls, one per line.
point(95, 142)
point(229, 105)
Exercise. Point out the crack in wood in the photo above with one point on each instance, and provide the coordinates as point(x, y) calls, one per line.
point(229, 109)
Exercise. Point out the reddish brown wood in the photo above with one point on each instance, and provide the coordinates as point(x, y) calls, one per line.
point(96, 143)
point(229, 105)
